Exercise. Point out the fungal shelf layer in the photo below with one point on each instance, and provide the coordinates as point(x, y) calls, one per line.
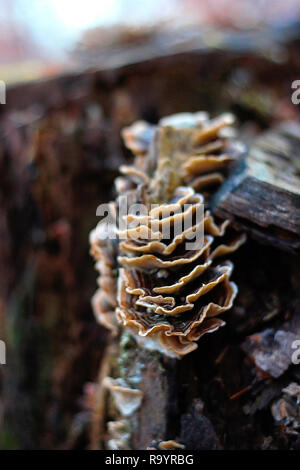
point(164, 276)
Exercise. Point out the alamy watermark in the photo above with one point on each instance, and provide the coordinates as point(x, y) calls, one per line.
point(296, 353)
point(2, 352)
point(2, 92)
point(154, 223)
point(296, 94)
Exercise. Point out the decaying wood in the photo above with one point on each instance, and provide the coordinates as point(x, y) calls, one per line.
point(195, 400)
point(176, 404)
point(60, 150)
point(263, 194)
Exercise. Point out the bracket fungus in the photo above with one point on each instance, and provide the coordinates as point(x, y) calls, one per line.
point(118, 434)
point(170, 445)
point(166, 445)
point(127, 400)
point(163, 278)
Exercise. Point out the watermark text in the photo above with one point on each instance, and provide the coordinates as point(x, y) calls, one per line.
point(2, 352)
point(2, 92)
point(159, 223)
point(296, 94)
point(296, 353)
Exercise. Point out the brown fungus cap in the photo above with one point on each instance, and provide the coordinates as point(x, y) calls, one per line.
point(104, 300)
point(170, 294)
point(170, 445)
point(127, 400)
point(197, 147)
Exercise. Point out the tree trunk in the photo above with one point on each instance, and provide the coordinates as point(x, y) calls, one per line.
point(60, 150)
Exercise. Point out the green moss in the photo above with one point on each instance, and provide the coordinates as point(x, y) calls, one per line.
point(127, 350)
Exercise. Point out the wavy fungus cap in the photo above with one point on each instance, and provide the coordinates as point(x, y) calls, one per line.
point(194, 147)
point(118, 435)
point(127, 400)
point(171, 288)
point(169, 296)
point(170, 445)
point(104, 300)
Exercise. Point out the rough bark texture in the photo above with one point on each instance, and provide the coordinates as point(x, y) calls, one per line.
point(60, 149)
point(221, 395)
point(263, 193)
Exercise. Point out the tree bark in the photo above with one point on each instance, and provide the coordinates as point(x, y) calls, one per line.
point(262, 196)
point(60, 150)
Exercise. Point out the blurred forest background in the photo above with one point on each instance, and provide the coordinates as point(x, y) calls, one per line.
point(76, 74)
point(40, 38)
